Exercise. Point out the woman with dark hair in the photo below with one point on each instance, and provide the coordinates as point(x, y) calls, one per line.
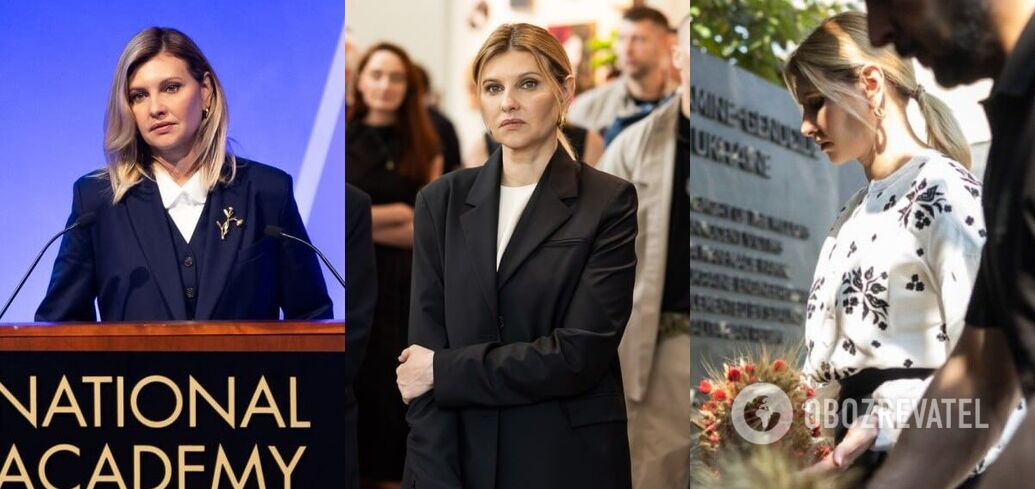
point(522, 287)
point(178, 221)
point(392, 151)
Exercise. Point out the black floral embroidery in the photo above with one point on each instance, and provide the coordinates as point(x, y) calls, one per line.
point(851, 249)
point(982, 233)
point(969, 220)
point(943, 335)
point(919, 252)
point(832, 248)
point(875, 343)
point(969, 182)
point(874, 238)
point(890, 204)
point(915, 284)
point(924, 202)
point(871, 287)
point(813, 298)
point(908, 363)
point(827, 372)
point(849, 346)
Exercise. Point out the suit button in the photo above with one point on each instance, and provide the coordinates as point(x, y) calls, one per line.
point(190, 292)
point(188, 262)
point(500, 321)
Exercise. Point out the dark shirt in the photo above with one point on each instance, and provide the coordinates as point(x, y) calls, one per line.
point(1004, 292)
point(448, 140)
point(676, 295)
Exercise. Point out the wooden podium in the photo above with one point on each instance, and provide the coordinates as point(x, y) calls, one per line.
point(298, 336)
point(255, 405)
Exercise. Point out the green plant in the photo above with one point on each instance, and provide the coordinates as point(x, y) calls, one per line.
point(755, 34)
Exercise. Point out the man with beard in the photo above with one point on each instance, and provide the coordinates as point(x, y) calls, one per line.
point(963, 41)
point(643, 49)
point(654, 154)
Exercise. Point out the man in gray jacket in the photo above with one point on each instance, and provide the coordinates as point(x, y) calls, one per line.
point(654, 154)
point(644, 49)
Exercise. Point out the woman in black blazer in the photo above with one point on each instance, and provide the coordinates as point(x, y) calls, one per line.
point(517, 309)
point(177, 222)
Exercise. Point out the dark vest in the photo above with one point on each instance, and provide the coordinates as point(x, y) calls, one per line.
point(189, 256)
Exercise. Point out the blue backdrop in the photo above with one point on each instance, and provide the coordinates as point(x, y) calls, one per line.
point(280, 62)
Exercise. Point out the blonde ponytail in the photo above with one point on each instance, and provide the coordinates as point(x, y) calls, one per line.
point(943, 133)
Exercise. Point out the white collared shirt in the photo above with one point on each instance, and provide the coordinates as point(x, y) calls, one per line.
point(185, 203)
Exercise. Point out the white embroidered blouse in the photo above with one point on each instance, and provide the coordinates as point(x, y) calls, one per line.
point(894, 278)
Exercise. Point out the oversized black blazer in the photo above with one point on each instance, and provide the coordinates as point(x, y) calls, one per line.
point(127, 261)
point(527, 385)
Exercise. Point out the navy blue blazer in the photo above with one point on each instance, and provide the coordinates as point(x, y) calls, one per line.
point(127, 260)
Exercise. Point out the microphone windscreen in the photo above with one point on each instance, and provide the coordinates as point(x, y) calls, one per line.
point(86, 220)
point(274, 231)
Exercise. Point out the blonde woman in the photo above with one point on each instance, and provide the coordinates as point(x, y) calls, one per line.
point(178, 222)
point(522, 285)
point(895, 273)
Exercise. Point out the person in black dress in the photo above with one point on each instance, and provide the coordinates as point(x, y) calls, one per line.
point(392, 151)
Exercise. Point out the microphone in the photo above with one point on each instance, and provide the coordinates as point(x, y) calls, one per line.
point(84, 221)
point(278, 232)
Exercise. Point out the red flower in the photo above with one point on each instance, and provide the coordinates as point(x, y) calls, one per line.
point(733, 375)
point(705, 386)
point(816, 432)
point(708, 406)
point(719, 395)
point(809, 392)
point(779, 365)
point(714, 438)
point(749, 368)
point(823, 450)
point(752, 379)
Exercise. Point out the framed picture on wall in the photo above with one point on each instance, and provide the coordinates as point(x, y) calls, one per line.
point(575, 39)
point(521, 4)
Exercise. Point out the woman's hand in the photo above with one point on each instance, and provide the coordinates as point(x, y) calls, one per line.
point(415, 376)
point(859, 438)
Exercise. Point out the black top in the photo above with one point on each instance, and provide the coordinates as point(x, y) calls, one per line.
point(448, 140)
point(1004, 292)
point(676, 296)
point(372, 155)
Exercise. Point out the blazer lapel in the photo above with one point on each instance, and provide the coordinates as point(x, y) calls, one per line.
point(148, 220)
point(545, 212)
point(479, 223)
point(220, 254)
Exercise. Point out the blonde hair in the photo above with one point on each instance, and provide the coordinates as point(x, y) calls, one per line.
point(128, 156)
point(550, 58)
point(831, 59)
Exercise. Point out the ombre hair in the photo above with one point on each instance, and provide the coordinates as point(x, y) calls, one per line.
point(129, 157)
point(550, 58)
point(831, 59)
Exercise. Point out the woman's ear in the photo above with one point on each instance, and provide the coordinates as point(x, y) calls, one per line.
point(568, 90)
point(872, 79)
point(206, 90)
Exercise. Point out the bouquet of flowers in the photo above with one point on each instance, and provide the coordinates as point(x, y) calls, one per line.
point(716, 436)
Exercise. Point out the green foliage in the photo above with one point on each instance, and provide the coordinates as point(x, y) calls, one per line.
point(755, 33)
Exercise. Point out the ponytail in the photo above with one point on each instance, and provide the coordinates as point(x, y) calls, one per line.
point(943, 133)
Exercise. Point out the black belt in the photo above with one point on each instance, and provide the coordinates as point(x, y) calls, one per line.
point(861, 385)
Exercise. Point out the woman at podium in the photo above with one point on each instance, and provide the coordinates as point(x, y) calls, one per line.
point(175, 222)
point(522, 285)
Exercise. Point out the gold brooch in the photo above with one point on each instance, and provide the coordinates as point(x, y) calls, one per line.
point(224, 227)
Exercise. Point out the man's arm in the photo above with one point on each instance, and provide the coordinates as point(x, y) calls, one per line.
point(980, 368)
point(1013, 468)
